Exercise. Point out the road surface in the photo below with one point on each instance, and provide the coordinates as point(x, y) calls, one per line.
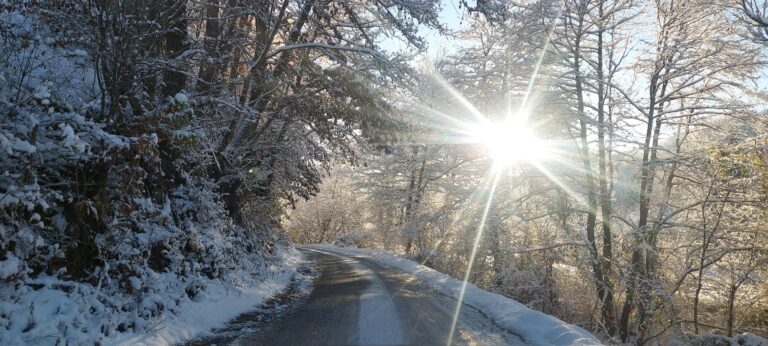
point(358, 302)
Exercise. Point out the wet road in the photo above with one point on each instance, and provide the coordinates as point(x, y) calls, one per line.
point(358, 302)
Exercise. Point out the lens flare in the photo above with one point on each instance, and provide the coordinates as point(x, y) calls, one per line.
point(496, 173)
point(510, 141)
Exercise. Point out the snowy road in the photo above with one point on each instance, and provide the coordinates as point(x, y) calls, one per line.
point(358, 302)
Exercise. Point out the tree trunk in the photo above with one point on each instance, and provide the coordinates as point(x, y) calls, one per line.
point(407, 215)
point(210, 44)
point(731, 303)
point(642, 258)
point(595, 258)
point(175, 45)
point(608, 312)
point(498, 269)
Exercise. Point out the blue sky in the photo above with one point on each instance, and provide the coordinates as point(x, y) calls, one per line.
point(451, 15)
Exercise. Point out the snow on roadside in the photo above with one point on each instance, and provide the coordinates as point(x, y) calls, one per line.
point(41, 316)
point(221, 304)
point(534, 327)
point(744, 339)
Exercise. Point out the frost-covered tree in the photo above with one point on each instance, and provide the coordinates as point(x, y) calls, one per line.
point(148, 148)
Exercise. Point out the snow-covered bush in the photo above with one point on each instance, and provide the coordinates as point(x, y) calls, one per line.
point(346, 240)
point(49, 144)
point(105, 226)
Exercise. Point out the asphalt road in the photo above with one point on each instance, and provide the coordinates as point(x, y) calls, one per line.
point(358, 302)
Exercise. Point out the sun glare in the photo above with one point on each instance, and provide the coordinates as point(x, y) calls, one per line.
point(509, 141)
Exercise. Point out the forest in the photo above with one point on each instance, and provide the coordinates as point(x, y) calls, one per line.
point(601, 161)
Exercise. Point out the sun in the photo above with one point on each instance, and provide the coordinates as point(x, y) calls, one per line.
point(510, 141)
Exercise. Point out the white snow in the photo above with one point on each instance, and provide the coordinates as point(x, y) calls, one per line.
point(22, 145)
point(71, 139)
point(135, 282)
point(5, 145)
point(59, 222)
point(42, 92)
point(39, 316)
point(744, 339)
point(181, 98)
point(749, 339)
point(9, 266)
point(80, 53)
point(534, 327)
point(220, 304)
point(49, 98)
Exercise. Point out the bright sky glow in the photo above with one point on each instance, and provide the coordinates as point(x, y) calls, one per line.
point(510, 141)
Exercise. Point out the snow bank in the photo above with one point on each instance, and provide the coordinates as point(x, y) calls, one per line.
point(744, 339)
point(50, 308)
point(534, 327)
point(220, 304)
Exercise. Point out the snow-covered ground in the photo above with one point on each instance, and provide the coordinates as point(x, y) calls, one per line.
point(41, 316)
point(534, 327)
point(220, 304)
point(744, 339)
